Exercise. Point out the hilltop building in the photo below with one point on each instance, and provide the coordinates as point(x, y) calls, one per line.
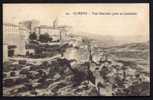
point(14, 39)
point(29, 25)
point(57, 32)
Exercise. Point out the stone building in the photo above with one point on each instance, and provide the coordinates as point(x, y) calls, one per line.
point(29, 25)
point(57, 32)
point(15, 39)
point(5, 52)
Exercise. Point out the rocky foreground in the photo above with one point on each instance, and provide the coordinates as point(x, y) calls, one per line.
point(125, 73)
point(57, 78)
point(43, 79)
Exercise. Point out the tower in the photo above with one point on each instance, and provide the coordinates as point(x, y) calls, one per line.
point(55, 23)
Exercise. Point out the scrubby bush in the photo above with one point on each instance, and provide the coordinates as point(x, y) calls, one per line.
point(140, 89)
point(44, 38)
point(33, 36)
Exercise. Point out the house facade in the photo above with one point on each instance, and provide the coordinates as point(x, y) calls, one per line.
point(57, 33)
point(5, 52)
point(15, 39)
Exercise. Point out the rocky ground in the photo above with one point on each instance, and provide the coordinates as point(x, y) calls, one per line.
point(55, 77)
point(44, 79)
point(52, 78)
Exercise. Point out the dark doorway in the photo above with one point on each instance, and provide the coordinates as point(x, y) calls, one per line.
point(11, 52)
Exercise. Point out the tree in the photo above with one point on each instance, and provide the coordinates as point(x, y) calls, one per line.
point(44, 37)
point(50, 39)
point(33, 36)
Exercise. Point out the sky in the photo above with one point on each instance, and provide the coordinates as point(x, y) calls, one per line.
point(136, 25)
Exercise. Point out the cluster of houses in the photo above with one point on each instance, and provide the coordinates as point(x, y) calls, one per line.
point(15, 36)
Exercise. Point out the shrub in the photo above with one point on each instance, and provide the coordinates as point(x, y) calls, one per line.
point(140, 89)
point(33, 36)
point(44, 38)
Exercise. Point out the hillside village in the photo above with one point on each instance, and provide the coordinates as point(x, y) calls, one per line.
point(41, 60)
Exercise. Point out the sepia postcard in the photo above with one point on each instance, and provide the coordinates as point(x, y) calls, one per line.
point(76, 49)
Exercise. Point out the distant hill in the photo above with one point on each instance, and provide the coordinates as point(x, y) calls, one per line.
point(100, 40)
point(132, 50)
point(133, 46)
point(106, 41)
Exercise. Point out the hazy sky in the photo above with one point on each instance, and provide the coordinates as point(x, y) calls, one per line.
point(118, 25)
